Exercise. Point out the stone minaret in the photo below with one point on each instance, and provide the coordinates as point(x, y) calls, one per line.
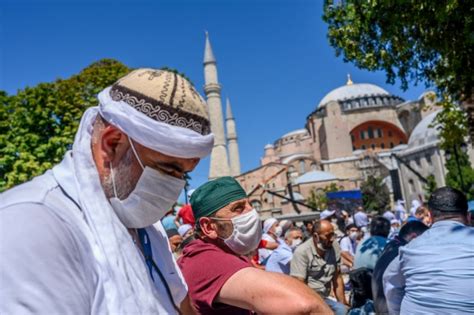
point(219, 163)
point(234, 157)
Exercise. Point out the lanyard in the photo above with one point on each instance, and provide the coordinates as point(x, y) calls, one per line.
point(148, 254)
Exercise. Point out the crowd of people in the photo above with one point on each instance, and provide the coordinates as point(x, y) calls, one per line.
point(100, 233)
point(344, 258)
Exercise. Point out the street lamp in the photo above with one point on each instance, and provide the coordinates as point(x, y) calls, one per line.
point(448, 155)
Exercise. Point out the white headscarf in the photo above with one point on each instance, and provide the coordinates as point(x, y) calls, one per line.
point(128, 288)
point(415, 204)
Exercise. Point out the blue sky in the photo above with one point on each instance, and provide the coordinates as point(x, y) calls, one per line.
point(274, 60)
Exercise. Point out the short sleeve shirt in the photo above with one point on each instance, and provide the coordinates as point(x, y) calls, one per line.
point(347, 245)
point(317, 271)
point(206, 268)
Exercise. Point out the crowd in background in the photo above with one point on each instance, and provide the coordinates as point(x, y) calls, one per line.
point(344, 255)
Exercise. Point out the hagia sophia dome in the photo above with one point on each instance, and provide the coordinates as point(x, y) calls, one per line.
point(356, 95)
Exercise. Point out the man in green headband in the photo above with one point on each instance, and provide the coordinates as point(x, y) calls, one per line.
point(220, 277)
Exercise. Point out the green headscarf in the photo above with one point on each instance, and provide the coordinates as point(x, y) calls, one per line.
point(215, 195)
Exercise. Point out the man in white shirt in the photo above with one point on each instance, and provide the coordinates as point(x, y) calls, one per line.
point(80, 238)
point(279, 260)
point(434, 273)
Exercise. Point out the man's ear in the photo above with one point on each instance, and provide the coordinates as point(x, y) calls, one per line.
point(208, 228)
point(113, 144)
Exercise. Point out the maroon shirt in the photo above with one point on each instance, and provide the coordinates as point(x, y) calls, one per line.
point(206, 268)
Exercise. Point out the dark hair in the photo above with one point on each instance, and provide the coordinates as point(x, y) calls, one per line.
point(306, 222)
point(380, 227)
point(447, 201)
point(414, 226)
point(172, 232)
point(350, 226)
point(420, 210)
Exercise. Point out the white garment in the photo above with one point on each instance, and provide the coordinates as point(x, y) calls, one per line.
point(264, 253)
point(48, 265)
point(415, 204)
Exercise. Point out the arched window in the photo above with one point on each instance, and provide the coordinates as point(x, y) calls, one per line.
point(302, 168)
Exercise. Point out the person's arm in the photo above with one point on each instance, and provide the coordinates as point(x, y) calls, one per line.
point(347, 258)
point(270, 293)
point(176, 219)
point(394, 286)
point(271, 245)
point(338, 286)
point(186, 307)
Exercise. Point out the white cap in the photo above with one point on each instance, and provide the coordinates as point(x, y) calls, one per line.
point(183, 229)
point(394, 221)
point(268, 223)
point(326, 213)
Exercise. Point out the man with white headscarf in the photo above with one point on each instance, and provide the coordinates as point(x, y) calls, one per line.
point(79, 239)
point(271, 232)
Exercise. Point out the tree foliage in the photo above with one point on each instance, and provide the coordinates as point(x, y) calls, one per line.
point(375, 194)
point(430, 186)
point(420, 41)
point(38, 124)
point(318, 199)
point(452, 125)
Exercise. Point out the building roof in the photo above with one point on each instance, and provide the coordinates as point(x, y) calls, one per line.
point(295, 132)
point(297, 196)
point(292, 157)
point(424, 133)
point(315, 176)
point(352, 91)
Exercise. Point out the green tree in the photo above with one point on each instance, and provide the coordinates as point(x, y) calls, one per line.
point(375, 194)
point(430, 186)
point(452, 124)
point(318, 198)
point(42, 120)
point(421, 41)
point(414, 41)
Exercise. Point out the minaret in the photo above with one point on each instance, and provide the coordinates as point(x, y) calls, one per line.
point(234, 156)
point(219, 163)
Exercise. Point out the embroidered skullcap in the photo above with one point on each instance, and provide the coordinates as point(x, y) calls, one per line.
point(268, 223)
point(161, 110)
point(447, 199)
point(163, 96)
point(214, 195)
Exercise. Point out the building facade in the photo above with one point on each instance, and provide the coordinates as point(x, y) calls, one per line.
point(357, 130)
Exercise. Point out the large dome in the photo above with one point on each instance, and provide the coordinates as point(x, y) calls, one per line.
point(424, 132)
point(352, 91)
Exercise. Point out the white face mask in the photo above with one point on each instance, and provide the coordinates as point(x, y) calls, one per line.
point(295, 243)
point(154, 194)
point(353, 235)
point(278, 231)
point(246, 234)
